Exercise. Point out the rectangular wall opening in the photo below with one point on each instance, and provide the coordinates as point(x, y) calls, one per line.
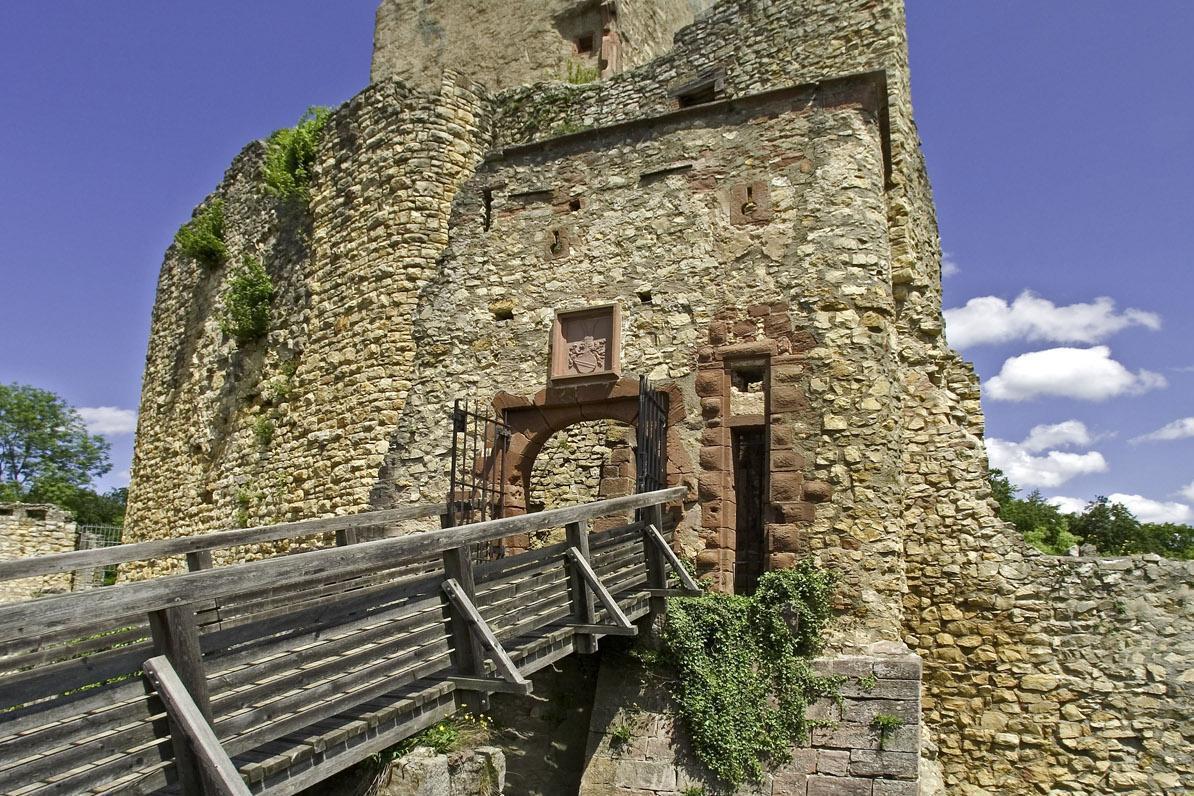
point(750, 485)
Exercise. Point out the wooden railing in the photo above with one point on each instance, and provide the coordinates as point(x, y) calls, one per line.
point(272, 675)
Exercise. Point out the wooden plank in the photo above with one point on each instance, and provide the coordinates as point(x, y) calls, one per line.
point(186, 717)
point(484, 634)
point(162, 548)
point(489, 685)
point(58, 678)
point(52, 613)
point(686, 581)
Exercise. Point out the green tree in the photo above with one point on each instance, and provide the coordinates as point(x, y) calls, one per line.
point(1041, 524)
point(42, 438)
point(1110, 527)
point(86, 505)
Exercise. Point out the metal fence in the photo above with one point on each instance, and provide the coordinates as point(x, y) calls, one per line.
point(90, 537)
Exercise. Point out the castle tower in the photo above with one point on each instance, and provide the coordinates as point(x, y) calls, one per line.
point(523, 41)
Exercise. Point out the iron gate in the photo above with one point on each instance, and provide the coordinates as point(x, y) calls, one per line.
point(477, 482)
point(650, 459)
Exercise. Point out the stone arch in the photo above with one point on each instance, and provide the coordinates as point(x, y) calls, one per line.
point(534, 420)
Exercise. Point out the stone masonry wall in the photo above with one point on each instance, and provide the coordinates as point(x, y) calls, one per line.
point(31, 529)
point(638, 748)
point(647, 216)
point(1042, 674)
point(330, 378)
point(397, 294)
point(521, 41)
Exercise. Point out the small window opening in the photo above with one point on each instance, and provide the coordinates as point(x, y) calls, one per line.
point(749, 206)
point(503, 311)
point(644, 296)
point(584, 44)
point(35, 514)
point(574, 204)
point(557, 245)
point(747, 392)
point(701, 95)
point(5, 512)
point(487, 205)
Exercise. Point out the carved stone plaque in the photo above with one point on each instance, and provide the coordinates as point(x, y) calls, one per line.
point(586, 343)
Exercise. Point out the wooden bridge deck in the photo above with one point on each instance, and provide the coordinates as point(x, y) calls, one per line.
point(270, 676)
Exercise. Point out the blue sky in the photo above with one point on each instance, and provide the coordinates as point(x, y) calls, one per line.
point(1059, 139)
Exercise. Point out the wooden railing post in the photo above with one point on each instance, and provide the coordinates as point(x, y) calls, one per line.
point(468, 655)
point(176, 636)
point(656, 572)
point(583, 603)
point(207, 613)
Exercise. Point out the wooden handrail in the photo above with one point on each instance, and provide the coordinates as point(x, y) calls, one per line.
point(82, 609)
point(160, 548)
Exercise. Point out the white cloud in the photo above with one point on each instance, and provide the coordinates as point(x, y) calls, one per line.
point(1057, 435)
point(1147, 510)
point(990, 319)
point(948, 266)
point(1067, 505)
point(1088, 374)
point(1023, 467)
point(109, 421)
point(1178, 429)
point(1187, 491)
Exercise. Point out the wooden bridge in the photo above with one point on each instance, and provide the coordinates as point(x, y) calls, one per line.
point(272, 675)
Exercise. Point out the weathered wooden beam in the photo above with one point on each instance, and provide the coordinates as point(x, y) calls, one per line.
point(583, 604)
point(604, 630)
point(468, 655)
point(489, 685)
point(96, 607)
point(176, 639)
point(656, 574)
point(581, 564)
point(144, 551)
point(689, 585)
point(220, 777)
point(478, 625)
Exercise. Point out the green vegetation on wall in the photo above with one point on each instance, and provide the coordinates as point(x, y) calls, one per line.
point(290, 156)
point(743, 677)
point(246, 302)
point(202, 238)
point(1109, 527)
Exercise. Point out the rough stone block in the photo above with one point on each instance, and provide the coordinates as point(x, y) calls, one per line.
point(889, 787)
point(645, 775)
point(905, 668)
point(832, 761)
point(893, 765)
point(819, 785)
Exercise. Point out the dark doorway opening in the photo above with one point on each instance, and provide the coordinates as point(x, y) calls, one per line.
point(750, 476)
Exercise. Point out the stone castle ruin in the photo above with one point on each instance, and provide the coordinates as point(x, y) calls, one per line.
point(533, 204)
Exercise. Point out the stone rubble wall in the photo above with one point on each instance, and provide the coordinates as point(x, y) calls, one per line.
point(34, 529)
point(423, 772)
point(518, 41)
point(848, 757)
point(1042, 674)
point(333, 372)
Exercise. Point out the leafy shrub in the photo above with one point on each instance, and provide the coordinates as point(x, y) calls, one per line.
point(202, 238)
point(743, 677)
point(290, 155)
point(246, 302)
point(579, 74)
point(886, 724)
point(263, 430)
